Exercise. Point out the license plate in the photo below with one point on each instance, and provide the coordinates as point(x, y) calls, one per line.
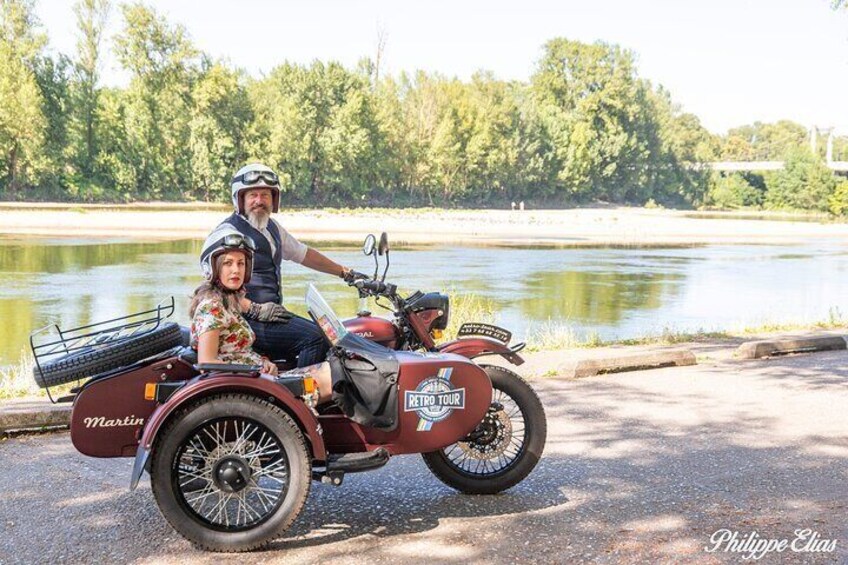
point(485, 330)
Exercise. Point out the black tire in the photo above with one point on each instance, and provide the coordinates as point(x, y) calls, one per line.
point(449, 469)
point(102, 358)
point(183, 474)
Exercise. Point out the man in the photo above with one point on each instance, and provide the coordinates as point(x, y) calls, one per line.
point(279, 333)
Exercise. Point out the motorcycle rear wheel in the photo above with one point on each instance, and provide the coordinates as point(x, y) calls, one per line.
point(231, 473)
point(506, 446)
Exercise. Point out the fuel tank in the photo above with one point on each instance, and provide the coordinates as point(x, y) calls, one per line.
point(374, 328)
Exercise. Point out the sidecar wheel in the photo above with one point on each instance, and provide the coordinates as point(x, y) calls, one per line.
point(231, 473)
point(506, 445)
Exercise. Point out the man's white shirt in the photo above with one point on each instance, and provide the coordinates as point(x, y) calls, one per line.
point(293, 250)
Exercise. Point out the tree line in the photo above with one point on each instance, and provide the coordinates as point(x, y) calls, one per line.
point(585, 127)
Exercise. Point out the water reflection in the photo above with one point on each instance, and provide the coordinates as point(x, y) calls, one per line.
point(57, 256)
point(595, 297)
point(611, 292)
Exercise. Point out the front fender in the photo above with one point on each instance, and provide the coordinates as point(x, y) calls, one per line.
point(471, 347)
point(206, 385)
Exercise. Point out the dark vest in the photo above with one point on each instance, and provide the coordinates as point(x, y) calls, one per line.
point(264, 285)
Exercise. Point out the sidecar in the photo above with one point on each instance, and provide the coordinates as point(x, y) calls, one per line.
point(232, 452)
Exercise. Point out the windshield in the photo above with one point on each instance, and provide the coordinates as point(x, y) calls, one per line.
point(324, 315)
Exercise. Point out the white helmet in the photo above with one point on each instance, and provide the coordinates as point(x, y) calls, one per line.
point(222, 239)
point(255, 175)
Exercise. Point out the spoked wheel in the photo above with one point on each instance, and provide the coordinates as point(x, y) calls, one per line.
point(504, 447)
point(231, 473)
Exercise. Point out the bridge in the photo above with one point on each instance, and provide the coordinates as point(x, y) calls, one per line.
point(840, 166)
point(763, 165)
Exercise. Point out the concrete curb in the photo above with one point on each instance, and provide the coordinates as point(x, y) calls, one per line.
point(766, 348)
point(633, 362)
point(33, 415)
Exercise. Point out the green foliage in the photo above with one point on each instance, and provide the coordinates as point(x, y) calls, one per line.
point(162, 61)
point(585, 128)
point(838, 201)
point(805, 183)
point(588, 95)
point(83, 148)
point(734, 191)
point(610, 135)
point(316, 125)
point(468, 307)
point(22, 121)
point(218, 134)
point(53, 77)
point(763, 142)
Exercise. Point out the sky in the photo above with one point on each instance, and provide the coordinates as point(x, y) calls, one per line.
point(730, 62)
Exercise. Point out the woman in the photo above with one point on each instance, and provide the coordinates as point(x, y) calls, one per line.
point(219, 333)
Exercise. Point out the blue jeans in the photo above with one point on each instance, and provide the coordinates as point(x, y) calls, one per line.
point(299, 338)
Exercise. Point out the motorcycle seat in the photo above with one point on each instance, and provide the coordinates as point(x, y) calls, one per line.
point(189, 355)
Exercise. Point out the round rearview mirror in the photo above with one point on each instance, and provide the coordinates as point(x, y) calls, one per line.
point(368, 246)
point(384, 244)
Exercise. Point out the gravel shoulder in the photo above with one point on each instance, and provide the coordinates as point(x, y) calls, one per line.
point(576, 227)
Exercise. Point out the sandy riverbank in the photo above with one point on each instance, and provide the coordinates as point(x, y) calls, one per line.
point(577, 227)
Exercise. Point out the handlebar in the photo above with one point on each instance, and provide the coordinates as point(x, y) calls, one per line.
point(375, 287)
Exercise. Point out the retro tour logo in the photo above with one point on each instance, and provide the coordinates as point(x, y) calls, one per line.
point(434, 399)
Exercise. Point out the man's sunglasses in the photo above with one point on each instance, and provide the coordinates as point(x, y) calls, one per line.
point(253, 177)
point(238, 240)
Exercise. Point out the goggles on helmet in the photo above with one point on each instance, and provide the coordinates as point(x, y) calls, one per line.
point(239, 240)
point(253, 177)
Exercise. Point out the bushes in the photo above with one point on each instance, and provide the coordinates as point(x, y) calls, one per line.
point(805, 183)
point(838, 202)
point(734, 191)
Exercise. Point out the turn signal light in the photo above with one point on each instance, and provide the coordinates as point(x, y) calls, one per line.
point(437, 334)
point(150, 391)
point(308, 385)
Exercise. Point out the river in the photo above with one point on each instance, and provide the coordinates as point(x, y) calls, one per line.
point(608, 292)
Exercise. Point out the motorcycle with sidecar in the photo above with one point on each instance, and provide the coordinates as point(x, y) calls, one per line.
point(232, 452)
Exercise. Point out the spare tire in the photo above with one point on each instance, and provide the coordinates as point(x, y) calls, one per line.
point(105, 357)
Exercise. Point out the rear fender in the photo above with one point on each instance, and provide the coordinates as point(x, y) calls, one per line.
point(472, 347)
point(262, 386)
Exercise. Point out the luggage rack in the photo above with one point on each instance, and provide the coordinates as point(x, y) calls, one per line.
point(93, 336)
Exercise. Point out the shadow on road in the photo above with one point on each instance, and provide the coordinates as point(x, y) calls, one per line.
point(635, 469)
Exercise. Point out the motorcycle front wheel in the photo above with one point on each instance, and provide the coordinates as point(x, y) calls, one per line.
point(504, 447)
point(231, 472)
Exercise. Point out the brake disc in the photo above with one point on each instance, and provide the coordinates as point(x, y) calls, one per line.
point(497, 445)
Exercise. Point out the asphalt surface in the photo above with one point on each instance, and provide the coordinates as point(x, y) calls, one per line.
point(639, 468)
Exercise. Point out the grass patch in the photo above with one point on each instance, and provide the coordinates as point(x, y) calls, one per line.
point(558, 335)
point(468, 308)
point(17, 381)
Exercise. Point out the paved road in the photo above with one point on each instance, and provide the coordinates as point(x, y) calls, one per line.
point(639, 467)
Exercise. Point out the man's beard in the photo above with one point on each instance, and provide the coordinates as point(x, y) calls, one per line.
point(258, 218)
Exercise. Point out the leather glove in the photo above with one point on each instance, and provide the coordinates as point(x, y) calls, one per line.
point(268, 312)
point(349, 275)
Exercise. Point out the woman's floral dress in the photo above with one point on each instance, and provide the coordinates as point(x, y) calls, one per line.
point(236, 337)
